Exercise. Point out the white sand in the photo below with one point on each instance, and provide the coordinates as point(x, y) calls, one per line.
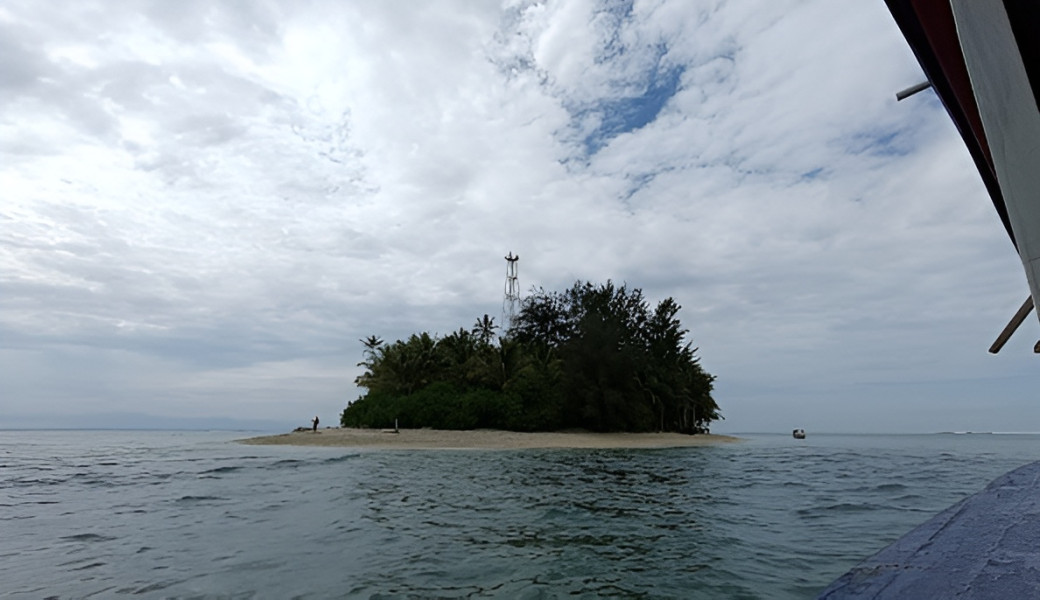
point(421, 439)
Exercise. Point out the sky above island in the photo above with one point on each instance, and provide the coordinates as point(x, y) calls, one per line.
point(205, 205)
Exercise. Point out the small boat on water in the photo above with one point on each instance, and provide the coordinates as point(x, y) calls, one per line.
point(799, 434)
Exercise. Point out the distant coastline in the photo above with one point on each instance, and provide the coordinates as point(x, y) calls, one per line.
point(432, 439)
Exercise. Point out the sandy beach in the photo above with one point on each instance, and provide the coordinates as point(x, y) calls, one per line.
point(423, 439)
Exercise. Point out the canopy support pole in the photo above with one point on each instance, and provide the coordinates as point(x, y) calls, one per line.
point(1012, 325)
point(910, 91)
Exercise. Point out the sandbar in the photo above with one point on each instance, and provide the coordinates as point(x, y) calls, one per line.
point(433, 439)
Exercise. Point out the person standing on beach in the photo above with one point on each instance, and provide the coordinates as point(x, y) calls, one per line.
point(315, 422)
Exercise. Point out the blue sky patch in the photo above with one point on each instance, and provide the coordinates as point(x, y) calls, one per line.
point(882, 142)
point(812, 174)
point(621, 115)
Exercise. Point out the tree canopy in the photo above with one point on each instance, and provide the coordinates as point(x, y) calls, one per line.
point(591, 357)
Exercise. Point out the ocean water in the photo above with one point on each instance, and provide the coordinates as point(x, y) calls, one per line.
point(110, 514)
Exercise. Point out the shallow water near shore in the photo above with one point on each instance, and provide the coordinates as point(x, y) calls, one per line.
point(195, 515)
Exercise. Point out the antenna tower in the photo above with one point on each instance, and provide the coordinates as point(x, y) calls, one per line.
point(512, 298)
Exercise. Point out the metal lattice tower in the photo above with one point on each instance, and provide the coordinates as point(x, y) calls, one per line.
point(511, 302)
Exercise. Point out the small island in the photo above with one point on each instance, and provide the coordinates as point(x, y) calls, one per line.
point(482, 439)
point(592, 366)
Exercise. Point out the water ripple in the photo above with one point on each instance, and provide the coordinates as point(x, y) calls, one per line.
point(193, 516)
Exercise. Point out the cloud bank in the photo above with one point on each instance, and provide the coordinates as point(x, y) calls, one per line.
point(206, 205)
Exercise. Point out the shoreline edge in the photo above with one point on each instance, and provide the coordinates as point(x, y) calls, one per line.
point(482, 439)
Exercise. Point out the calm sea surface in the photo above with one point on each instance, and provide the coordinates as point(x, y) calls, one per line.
point(194, 515)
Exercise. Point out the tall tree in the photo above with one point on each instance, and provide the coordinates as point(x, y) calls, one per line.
point(484, 329)
point(596, 357)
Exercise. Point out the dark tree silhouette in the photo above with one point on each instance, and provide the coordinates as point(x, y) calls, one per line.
point(594, 357)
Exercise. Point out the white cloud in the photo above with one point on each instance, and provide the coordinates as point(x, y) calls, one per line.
point(209, 205)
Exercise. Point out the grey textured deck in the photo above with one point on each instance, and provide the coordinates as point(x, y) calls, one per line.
point(985, 547)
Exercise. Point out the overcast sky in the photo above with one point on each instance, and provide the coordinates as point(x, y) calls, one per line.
point(204, 205)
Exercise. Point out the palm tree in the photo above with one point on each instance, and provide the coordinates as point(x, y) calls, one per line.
point(485, 329)
point(372, 342)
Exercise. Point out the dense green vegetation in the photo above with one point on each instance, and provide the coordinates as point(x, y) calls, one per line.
point(591, 357)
